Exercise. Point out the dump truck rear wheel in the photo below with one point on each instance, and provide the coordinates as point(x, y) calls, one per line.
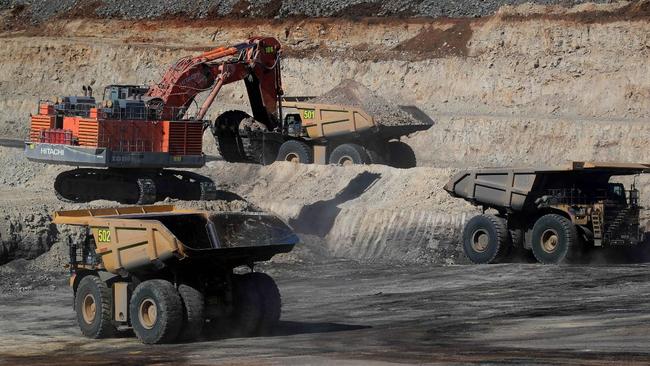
point(552, 238)
point(295, 151)
point(156, 312)
point(348, 154)
point(247, 307)
point(401, 155)
point(485, 238)
point(270, 299)
point(193, 312)
point(94, 308)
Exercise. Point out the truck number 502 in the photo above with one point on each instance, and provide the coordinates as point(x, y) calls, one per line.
point(104, 235)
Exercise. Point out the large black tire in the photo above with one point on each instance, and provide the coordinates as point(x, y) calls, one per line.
point(193, 313)
point(271, 301)
point(226, 134)
point(347, 154)
point(265, 152)
point(93, 304)
point(376, 156)
point(485, 239)
point(247, 312)
point(156, 312)
point(295, 151)
point(553, 238)
point(400, 155)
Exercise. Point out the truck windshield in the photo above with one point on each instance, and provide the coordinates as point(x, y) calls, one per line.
point(617, 192)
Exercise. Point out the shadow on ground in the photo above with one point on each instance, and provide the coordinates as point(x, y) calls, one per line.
point(283, 329)
point(288, 328)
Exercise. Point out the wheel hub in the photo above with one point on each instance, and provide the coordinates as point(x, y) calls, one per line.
point(89, 309)
point(345, 161)
point(550, 240)
point(293, 158)
point(148, 313)
point(480, 240)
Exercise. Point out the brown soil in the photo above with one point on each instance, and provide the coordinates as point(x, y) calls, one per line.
point(634, 11)
point(434, 42)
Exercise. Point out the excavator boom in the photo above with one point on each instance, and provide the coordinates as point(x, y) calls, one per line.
point(255, 61)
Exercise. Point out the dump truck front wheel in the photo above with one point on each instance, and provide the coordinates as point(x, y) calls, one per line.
point(193, 312)
point(485, 238)
point(401, 155)
point(349, 154)
point(376, 157)
point(247, 307)
point(295, 151)
point(552, 238)
point(156, 312)
point(270, 299)
point(94, 308)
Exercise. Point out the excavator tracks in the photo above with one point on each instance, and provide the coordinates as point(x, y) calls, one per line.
point(131, 186)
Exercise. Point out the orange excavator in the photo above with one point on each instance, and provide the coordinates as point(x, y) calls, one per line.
point(126, 146)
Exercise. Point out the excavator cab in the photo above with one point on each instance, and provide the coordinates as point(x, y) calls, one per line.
point(132, 92)
point(125, 102)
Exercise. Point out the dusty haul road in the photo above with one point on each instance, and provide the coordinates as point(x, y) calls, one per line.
point(341, 312)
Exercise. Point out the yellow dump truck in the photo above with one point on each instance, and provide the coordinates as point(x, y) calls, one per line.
point(321, 134)
point(168, 272)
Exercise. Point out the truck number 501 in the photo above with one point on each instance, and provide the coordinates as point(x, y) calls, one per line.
point(308, 114)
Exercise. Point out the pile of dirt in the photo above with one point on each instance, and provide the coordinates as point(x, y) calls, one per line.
point(352, 93)
point(368, 213)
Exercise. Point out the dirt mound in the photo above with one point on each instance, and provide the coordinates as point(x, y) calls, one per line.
point(352, 93)
point(368, 213)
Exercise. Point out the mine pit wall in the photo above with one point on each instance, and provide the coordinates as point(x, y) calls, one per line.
point(504, 90)
point(25, 235)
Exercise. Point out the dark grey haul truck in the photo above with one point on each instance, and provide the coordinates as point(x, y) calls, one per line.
point(549, 211)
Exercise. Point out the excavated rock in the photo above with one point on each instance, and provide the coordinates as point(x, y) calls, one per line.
point(134, 9)
point(352, 93)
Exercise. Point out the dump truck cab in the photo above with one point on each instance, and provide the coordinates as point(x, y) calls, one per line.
point(169, 272)
point(550, 210)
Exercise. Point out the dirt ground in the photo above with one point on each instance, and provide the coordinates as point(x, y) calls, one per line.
point(344, 313)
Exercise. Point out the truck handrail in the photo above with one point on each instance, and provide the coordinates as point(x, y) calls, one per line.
point(84, 216)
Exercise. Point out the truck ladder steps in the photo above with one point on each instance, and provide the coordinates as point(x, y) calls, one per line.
point(598, 228)
point(618, 221)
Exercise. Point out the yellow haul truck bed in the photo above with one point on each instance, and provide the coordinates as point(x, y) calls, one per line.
point(340, 134)
point(167, 272)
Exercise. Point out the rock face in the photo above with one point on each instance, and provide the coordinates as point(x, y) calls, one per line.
point(133, 9)
point(527, 85)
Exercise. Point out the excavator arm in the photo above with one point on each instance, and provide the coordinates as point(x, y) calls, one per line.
point(255, 61)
